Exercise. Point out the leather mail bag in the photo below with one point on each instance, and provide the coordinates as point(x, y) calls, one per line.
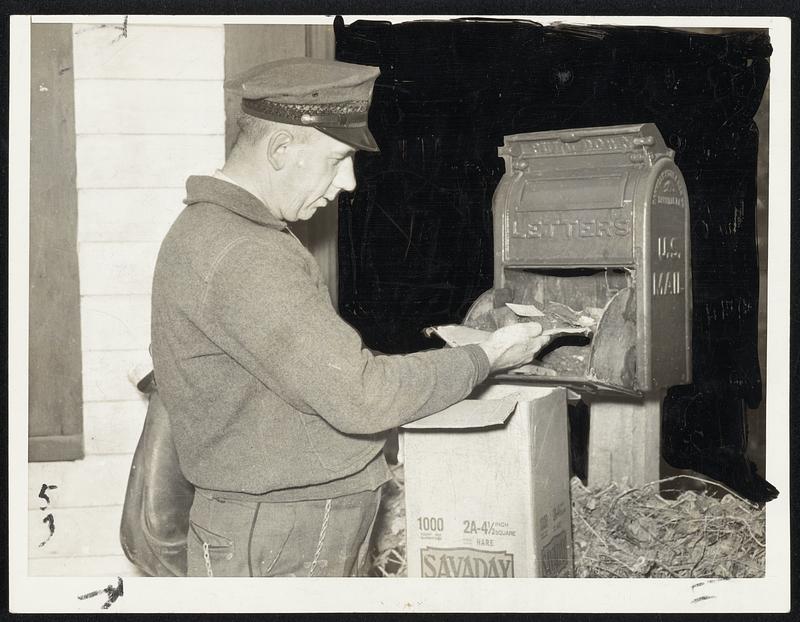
point(155, 516)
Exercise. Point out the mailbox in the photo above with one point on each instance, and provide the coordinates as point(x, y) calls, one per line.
point(592, 226)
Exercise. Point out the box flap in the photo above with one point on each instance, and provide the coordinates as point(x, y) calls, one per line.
point(468, 414)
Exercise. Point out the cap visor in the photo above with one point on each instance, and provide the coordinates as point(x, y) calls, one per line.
point(356, 137)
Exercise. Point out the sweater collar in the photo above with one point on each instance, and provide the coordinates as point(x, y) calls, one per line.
point(206, 189)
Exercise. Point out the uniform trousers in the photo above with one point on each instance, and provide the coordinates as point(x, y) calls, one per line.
point(327, 537)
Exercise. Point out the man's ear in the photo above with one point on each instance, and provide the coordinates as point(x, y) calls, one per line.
point(277, 148)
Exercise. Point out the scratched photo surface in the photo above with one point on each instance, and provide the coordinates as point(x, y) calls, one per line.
point(415, 242)
point(122, 113)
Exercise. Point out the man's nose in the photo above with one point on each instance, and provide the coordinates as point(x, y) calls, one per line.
point(345, 177)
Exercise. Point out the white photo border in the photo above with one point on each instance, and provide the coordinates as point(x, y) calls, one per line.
point(768, 594)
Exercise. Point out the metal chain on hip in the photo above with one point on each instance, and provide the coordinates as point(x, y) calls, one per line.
point(321, 537)
point(207, 559)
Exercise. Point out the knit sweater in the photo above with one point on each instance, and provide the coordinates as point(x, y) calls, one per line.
point(268, 390)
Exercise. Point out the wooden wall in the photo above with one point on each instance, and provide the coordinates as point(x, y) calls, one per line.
point(149, 111)
point(54, 379)
point(248, 45)
point(322, 231)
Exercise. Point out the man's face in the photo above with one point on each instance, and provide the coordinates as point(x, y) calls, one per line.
point(316, 171)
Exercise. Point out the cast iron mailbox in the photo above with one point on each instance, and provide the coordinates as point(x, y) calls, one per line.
point(594, 223)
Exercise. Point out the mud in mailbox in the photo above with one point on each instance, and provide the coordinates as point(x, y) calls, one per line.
point(591, 228)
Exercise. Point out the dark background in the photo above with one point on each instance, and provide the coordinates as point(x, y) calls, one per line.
point(415, 238)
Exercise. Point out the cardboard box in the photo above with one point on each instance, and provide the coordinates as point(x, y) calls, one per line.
point(487, 486)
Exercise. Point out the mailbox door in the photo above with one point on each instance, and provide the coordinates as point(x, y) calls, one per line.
point(562, 218)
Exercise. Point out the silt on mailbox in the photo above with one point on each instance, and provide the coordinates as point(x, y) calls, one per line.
point(597, 219)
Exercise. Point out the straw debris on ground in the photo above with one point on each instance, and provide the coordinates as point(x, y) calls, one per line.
point(622, 531)
point(637, 532)
point(389, 541)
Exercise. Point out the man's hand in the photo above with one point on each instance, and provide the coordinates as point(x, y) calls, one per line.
point(514, 345)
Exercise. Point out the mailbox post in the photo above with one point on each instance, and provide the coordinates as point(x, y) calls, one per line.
point(598, 219)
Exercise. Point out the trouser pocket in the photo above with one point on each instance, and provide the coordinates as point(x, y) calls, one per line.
point(218, 537)
point(360, 569)
point(215, 547)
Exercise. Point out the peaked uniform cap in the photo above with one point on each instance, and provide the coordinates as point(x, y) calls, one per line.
point(331, 96)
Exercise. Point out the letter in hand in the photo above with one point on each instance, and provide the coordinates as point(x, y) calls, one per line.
point(514, 345)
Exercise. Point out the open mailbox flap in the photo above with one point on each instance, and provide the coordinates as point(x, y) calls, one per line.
point(600, 362)
point(468, 414)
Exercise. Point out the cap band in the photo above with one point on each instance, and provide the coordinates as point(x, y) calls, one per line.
point(343, 114)
point(334, 120)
